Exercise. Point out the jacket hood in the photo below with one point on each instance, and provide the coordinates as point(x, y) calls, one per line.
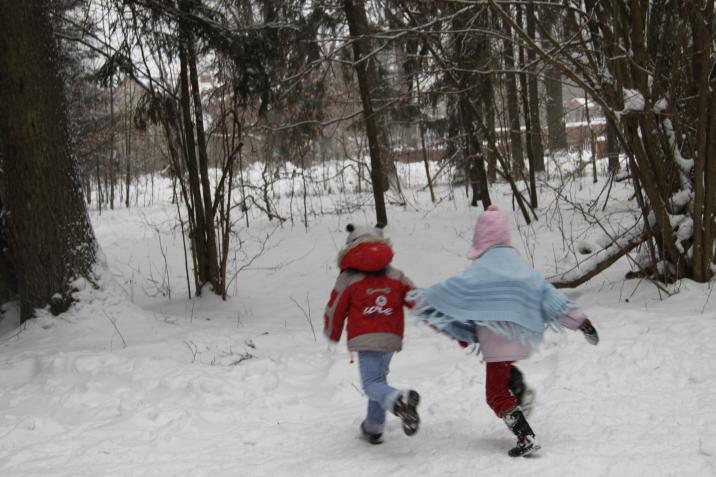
point(491, 229)
point(367, 254)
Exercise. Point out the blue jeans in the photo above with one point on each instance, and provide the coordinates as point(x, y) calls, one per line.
point(374, 367)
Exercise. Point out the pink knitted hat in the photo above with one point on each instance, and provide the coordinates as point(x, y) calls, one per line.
point(491, 229)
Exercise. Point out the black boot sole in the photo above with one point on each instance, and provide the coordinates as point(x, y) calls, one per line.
point(519, 451)
point(374, 439)
point(409, 415)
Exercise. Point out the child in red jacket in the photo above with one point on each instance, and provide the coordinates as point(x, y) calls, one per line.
point(370, 295)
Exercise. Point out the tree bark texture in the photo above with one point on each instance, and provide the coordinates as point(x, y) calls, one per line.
point(550, 12)
point(613, 148)
point(203, 234)
point(556, 127)
point(50, 238)
point(128, 164)
point(513, 108)
point(211, 243)
point(471, 53)
point(535, 131)
point(669, 66)
point(524, 98)
point(198, 237)
point(357, 25)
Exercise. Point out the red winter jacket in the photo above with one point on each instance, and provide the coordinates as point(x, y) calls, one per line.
point(371, 295)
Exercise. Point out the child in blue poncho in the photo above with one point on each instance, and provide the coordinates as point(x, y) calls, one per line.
point(504, 305)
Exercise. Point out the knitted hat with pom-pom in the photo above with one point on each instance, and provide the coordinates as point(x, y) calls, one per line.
point(491, 229)
point(363, 231)
point(366, 249)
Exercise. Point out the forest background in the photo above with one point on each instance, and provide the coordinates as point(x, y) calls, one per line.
point(97, 94)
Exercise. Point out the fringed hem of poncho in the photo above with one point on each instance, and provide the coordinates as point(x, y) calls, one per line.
point(464, 329)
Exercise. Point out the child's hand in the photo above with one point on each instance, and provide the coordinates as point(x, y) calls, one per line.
point(332, 346)
point(590, 332)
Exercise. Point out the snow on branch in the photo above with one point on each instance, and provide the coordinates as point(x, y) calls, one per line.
point(599, 261)
point(686, 165)
point(633, 100)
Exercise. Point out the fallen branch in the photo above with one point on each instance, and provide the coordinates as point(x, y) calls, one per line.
point(609, 256)
point(601, 260)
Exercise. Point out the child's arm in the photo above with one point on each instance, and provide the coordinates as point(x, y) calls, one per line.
point(337, 309)
point(573, 318)
point(408, 285)
point(576, 319)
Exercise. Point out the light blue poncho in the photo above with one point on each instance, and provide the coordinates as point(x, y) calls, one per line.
point(498, 291)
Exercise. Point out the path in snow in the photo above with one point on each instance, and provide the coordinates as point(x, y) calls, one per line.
point(244, 388)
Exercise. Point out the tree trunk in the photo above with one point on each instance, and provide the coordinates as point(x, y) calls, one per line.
point(100, 198)
point(421, 126)
point(50, 238)
point(513, 109)
point(535, 132)
point(592, 140)
point(8, 283)
point(472, 54)
point(704, 203)
point(88, 188)
point(128, 147)
point(357, 24)
point(556, 128)
point(211, 249)
point(112, 172)
point(489, 110)
point(531, 154)
point(474, 156)
point(197, 234)
point(612, 148)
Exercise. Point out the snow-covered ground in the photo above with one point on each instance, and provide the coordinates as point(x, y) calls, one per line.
point(133, 382)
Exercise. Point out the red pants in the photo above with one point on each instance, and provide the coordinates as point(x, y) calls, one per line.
point(497, 389)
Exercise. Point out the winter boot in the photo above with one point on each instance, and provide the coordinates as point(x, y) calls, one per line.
point(524, 395)
point(516, 422)
point(372, 438)
point(405, 408)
